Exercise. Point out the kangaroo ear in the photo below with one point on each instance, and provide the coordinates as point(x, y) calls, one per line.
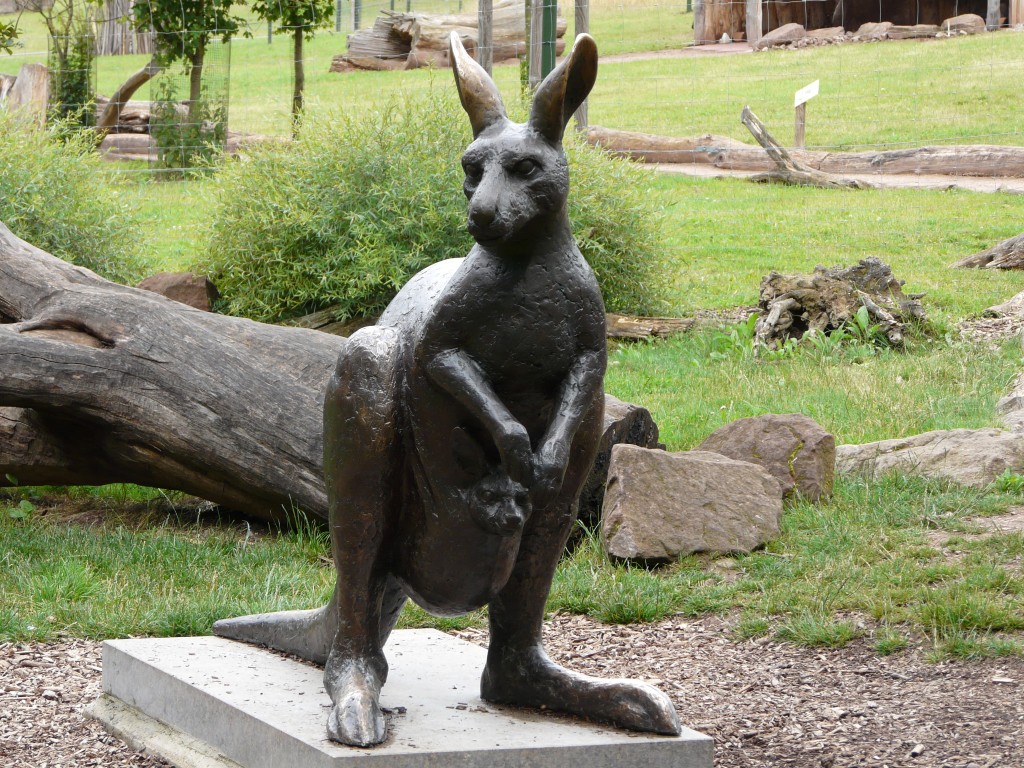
point(478, 93)
point(562, 92)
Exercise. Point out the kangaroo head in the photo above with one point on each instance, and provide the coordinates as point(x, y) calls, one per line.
point(517, 178)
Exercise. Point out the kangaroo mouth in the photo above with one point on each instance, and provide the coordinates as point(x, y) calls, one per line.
point(487, 235)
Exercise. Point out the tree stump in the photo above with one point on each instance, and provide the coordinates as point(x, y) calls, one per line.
point(829, 299)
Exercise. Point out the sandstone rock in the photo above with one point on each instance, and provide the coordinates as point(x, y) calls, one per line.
point(873, 30)
point(969, 23)
point(1011, 407)
point(660, 505)
point(827, 33)
point(794, 448)
point(623, 423)
point(188, 288)
point(783, 35)
point(972, 457)
point(912, 32)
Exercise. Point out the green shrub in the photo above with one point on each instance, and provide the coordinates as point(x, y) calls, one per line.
point(55, 194)
point(356, 205)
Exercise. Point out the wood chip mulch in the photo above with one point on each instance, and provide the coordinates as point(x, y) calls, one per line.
point(765, 703)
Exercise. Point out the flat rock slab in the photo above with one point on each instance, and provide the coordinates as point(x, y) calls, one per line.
point(231, 703)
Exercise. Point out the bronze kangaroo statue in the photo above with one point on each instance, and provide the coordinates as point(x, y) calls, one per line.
point(459, 431)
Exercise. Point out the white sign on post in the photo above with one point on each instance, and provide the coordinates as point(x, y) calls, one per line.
point(806, 93)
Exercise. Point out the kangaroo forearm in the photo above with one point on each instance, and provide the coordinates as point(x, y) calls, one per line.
point(459, 375)
point(578, 390)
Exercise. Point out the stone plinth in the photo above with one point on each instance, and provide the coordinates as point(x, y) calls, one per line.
point(207, 701)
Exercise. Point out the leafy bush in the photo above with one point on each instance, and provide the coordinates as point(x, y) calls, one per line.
point(357, 204)
point(55, 195)
point(188, 142)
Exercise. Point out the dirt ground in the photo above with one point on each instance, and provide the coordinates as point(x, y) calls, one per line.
point(765, 703)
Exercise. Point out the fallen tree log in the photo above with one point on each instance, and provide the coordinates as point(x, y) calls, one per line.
point(104, 383)
point(829, 299)
point(1008, 254)
point(983, 161)
point(409, 40)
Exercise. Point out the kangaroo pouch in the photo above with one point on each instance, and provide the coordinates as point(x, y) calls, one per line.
point(446, 561)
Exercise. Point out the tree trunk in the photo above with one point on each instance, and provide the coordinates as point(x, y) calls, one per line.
point(789, 171)
point(101, 383)
point(981, 160)
point(104, 383)
point(195, 82)
point(1008, 254)
point(300, 76)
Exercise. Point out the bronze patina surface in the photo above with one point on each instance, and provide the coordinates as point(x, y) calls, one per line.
point(459, 431)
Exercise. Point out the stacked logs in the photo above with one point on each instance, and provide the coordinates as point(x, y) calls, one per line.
point(411, 40)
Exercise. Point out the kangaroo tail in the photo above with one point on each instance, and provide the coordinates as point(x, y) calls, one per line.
point(306, 634)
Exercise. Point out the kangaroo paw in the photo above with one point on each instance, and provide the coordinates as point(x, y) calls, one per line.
point(357, 720)
point(533, 680)
point(354, 686)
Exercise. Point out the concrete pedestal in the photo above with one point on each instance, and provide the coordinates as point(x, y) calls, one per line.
point(207, 702)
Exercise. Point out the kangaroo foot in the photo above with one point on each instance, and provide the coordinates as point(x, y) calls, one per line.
point(356, 718)
point(531, 679)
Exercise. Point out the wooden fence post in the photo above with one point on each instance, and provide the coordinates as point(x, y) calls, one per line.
point(535, 42)
point(485, 35)
point(582, 25)
point(992, 17)
point(698, 23)
point(753, 21)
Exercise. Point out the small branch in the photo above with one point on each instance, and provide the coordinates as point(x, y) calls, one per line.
point(789, 171)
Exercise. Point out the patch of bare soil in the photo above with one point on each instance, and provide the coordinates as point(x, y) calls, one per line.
point(765, 703)
point(1010, 522)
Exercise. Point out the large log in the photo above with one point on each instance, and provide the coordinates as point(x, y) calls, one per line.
point(118, 384)
point(411, 40)
point(973, 160)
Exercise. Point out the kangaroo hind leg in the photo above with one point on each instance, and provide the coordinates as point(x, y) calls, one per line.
point(362, 464)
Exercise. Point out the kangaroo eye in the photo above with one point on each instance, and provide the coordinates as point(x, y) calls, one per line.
point(525, 168)
point(473, 171)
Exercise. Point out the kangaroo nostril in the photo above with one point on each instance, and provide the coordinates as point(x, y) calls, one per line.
point(481, 217)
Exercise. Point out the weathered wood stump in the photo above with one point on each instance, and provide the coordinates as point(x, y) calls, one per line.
point(829, 299)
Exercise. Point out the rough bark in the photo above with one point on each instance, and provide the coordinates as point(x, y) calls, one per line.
point(975, 160)
point(1008, 254)
point(105, 383)
point(789, 171)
